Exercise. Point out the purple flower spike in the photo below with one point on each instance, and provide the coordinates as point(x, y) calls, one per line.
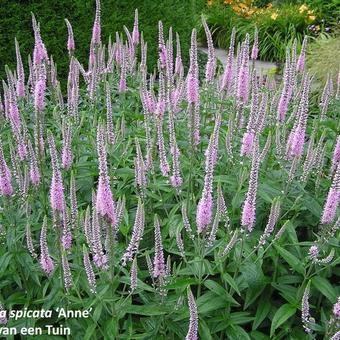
point(57, 189)
point(5, 176)
point(158, 263)
point(193, 324)
point(248, 211)
point(336, 155)
point(70, 40)
point(300, 66)
point(331, 206)
point(66, 156)
point(96, 30)
point(20, 86)
point(46, 262)
point(247, 143)
point(137, 235)
point(135, 32)
point(104, 203)
point(255, 49)
point(39, 95)
point(204, 212)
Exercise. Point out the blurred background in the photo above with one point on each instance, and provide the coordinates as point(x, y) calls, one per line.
point(279, 23)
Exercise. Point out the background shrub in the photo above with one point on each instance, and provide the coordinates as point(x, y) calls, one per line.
point(279, 23)
point(324, 58)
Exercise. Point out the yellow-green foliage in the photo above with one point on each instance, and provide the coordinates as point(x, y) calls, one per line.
point(324, 58)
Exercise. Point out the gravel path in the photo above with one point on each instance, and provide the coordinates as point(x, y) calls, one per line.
point(262, 67)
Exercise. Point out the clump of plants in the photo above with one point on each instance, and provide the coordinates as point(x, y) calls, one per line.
point(169, 204)
point(279, 25)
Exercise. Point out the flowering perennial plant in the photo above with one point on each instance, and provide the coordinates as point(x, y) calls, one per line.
point(137, 190)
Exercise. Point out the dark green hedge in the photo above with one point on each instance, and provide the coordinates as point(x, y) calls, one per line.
point(15, 21)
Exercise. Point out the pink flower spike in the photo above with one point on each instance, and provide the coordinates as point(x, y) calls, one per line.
point(46, 262)
point(70, 40)
point(104, 202)
point(5, 176)
point(135, 32)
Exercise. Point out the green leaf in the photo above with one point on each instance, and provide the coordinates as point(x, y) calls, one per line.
point(231, 282)
point(209, 302)
point(292, 260)
point(281, 316)
point(147, 310)
point(325, 288)
point(261, 313)
point(204, 330)
point(219, 290)
point(237, 333)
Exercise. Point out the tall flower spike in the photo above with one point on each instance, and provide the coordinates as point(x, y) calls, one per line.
point(228, 71)
point(70, 40)
point(29, 241)
point(205, 205)
point(193, 323)
point(249, 136)
point(164, 165)
point(176, 179)
point(13, 113)
point(88, 227)
point(333, 199)
point(243, 75)
point(135, 32)
point(34, 169)
point(210, 67)
point(99, 258)
point(46, 262)
point(255, 49)
point(6, 188)
point(66, 155)
point(272, 220)
point(20, 85)
point(73, 201)
point(230, 244)
point(122, 81)
point(192, 78)
point(286, 90)
point(305, 314)
point(39, 92)
point(133, 275)
point(158, 262)
point(140, 175)
point(104, 203)
point(109, 118)
point(300, 66)
point(137, 234)
point(66, 272)
point(57, 188)
point(179, 242)
point(66, 238)
point(296, 138)
point(91, 277)
point(96, 30)
point(178, 61)
point(186, 221)
point(336, 155)
point(39, 52)
point(161, 46)
point(249, 206)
